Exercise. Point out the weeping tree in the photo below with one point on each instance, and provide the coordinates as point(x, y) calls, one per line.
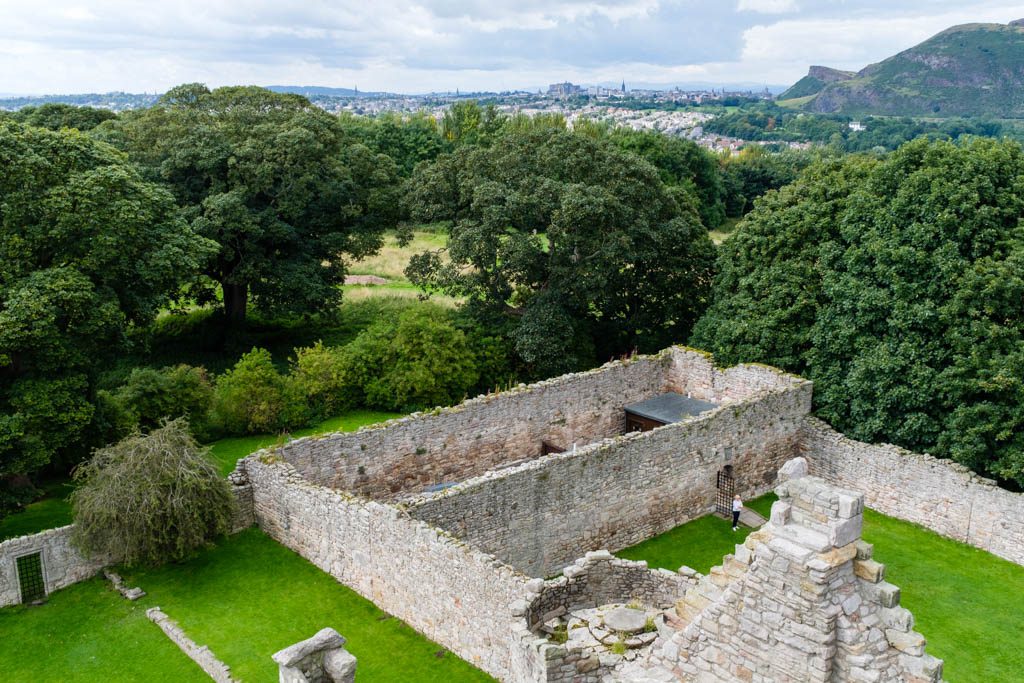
point(150, 498)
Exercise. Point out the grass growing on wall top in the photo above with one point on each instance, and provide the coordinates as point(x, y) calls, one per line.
point(966, 602)
point(88, 633)
point(250, 597)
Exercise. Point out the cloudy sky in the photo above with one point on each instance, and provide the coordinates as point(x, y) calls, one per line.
point(63, 46)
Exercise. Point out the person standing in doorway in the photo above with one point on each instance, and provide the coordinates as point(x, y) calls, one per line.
point(737, 507)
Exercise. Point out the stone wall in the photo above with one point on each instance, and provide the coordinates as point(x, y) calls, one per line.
point(452, 444)
point(63, 565)
point(540, 515)
point(450, 592)
point(937, 494)
point(596, 579)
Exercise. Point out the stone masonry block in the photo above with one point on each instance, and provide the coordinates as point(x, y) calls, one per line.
point(869, 570)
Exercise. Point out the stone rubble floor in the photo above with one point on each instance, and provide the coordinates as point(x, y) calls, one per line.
point(600, 630)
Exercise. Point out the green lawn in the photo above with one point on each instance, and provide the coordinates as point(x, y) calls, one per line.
point(968, 603)
point(227, 451)
point(699, 544)
point(249, 597)
point(53, 509)
point(88, 633)
point(49, 512)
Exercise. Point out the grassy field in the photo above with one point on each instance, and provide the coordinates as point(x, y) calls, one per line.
point(53, 509)
point(49, 512)
point(250, 597)
point(967, 602)
point(88, 633)
point(227, 451)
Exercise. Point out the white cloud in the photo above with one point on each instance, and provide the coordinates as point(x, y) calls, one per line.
point(767, 6)
point(397, 45)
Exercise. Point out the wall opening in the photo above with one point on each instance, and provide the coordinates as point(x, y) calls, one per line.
point(726, 487)
point(30, 578)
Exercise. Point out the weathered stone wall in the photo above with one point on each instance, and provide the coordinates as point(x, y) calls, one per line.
point(596, 579)
point(63, 565)
point(452, 444)
point(938, 494)
point(540, 515)
point(200, 654)
point(450, 592)
point(693, 372)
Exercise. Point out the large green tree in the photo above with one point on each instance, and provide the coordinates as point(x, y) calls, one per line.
point(681, 162)
point(897, 286)
point(54, 115)
point(274, 182)
point(87, 249)
point(577, 248)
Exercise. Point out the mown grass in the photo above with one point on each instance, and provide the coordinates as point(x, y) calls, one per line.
point(52, 510)
point(249, 597)
point(967, 602)
point(228, 451)
point(699, 544)
point(88, 633)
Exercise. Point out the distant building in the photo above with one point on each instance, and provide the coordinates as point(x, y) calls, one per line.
point(566, 89)
point(857, 126)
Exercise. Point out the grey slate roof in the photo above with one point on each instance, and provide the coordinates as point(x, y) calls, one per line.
point(670, 407)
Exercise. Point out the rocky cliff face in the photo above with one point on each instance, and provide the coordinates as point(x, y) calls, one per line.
point(968, 70)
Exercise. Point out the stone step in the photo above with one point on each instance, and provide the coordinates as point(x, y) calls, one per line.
point(748, 518)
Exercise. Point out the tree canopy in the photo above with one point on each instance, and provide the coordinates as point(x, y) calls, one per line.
point(272, 180)
point(574, 245)
point(88, 249)
point(896, 284)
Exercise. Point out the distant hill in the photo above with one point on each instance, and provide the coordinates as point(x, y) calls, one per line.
point(320, 91)
point(816, 79)
point(967, 70)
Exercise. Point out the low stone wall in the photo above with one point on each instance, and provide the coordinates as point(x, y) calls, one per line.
point(200, 654)
point(451, 444)
point(596, 579)
point(450, 592)
point(693, 372)
point(63, 565)
point(600, 578)
point(540, 515)
point(938, 494)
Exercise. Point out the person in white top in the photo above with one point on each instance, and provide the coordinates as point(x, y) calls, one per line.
point(737, 506)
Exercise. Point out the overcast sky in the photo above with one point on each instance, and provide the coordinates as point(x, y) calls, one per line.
point(65, 46)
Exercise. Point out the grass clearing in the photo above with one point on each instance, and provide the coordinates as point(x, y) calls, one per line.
point(52, 510)
point(228, 451)
point(88, 633)
point(390, 262)
point(967, 602)
point(249, 597)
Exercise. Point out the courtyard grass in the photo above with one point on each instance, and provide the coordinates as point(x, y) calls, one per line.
point(88, 633)
point(249, 597)
point(966, 602)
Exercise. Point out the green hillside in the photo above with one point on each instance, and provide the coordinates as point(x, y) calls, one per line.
point(967, 70)
point(815, 81)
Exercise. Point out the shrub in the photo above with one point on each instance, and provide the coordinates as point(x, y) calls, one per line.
point(321, 374)
point(150, 498)
point(254, 398)
point(419, 360)
point(154, 395)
